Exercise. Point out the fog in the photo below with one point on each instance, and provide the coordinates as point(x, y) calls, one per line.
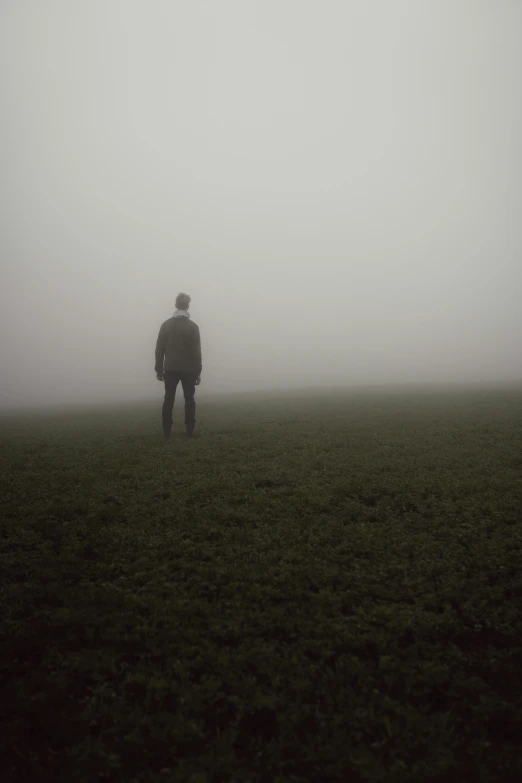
point(336, 184)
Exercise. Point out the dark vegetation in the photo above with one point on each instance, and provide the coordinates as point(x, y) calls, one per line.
point(317, 589)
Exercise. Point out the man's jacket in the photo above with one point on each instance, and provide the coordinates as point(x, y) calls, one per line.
point(179, 347)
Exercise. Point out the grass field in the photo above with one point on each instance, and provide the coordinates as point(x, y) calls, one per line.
point(317, 589)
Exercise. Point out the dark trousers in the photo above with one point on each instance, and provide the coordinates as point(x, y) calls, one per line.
point(188, 382)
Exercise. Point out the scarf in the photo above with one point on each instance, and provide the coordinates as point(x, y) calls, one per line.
point(181, 314)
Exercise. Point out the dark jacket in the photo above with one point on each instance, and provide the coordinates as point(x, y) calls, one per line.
point(179, 347)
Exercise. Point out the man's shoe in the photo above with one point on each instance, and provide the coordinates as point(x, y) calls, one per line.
point(166, 433)
point(190, 432)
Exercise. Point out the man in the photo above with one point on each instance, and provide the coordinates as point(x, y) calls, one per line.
point(178, 358)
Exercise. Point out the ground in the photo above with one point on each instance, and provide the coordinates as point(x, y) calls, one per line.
point(318, 588)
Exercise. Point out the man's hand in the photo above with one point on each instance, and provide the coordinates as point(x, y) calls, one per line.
point(198, 380)
point(159, 376)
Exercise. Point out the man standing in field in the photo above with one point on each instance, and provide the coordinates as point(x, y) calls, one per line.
point(178, 358)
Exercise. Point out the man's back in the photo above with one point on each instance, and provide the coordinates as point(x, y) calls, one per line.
point(179, 347)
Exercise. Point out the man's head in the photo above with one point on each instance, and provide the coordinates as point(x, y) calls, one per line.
point(182, 301)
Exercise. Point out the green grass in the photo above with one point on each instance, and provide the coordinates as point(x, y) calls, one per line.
point(317, 589)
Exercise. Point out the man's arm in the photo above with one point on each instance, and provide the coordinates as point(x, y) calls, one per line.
point(161, 344)
point(197, 348)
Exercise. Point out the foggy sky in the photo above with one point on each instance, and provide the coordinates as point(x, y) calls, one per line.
point(336, 183)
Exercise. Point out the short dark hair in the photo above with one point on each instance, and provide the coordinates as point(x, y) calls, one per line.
point(182, 301)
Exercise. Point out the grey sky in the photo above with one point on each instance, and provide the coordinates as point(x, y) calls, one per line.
point(337, 184)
